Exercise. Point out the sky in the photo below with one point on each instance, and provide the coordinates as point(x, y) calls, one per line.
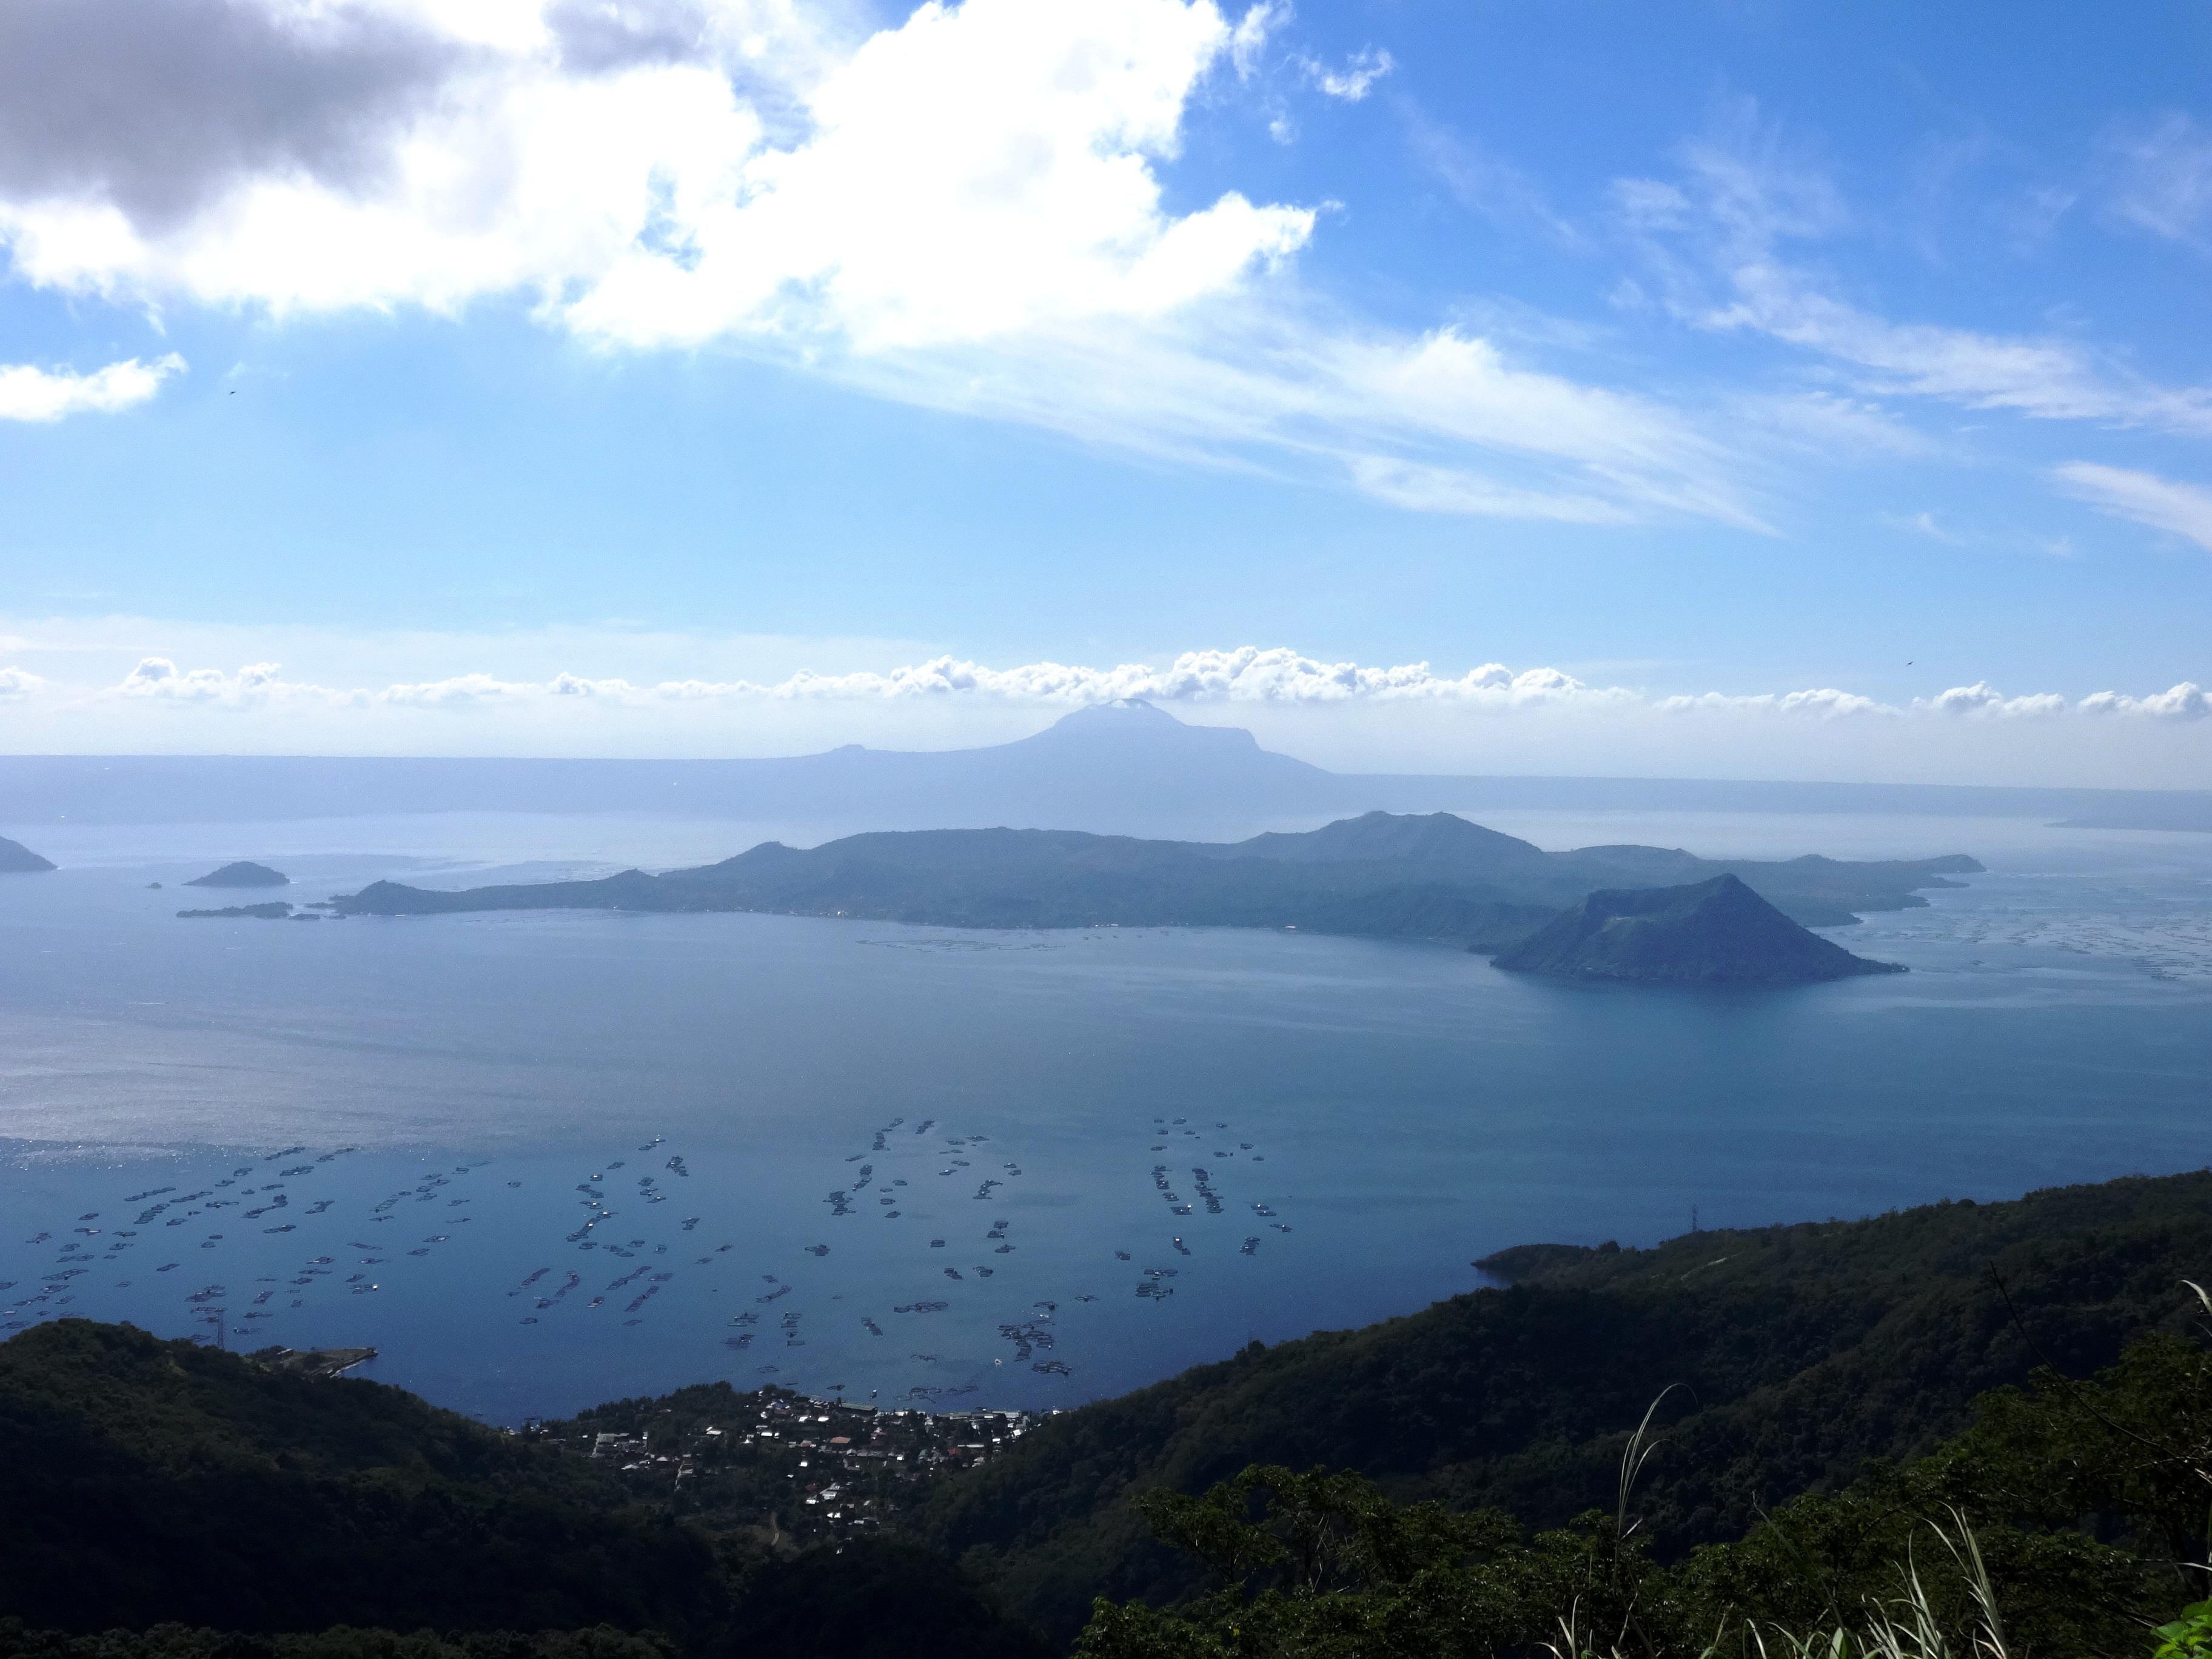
point(1727, 389)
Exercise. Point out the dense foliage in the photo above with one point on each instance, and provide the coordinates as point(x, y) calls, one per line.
point(159, 1483)
point(1801, 1352)
point(17, 1641)
point(2070, 1519)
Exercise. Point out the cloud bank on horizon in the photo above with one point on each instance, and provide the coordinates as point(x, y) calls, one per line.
point(1488, 717)
point(1247, 674)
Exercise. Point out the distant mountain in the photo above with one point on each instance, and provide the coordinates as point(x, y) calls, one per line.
point(1436, 876)
point(1124, 767)
point(1711, 932)
point(15, 859)
point(244, 873)
point(1438, 842)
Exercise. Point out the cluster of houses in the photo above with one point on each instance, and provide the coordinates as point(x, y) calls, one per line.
point(794, 1466)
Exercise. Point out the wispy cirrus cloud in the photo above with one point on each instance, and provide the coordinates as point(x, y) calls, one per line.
point(2179, 509)
point(1718, 239)
point(2160, 178)
point(1484, 182)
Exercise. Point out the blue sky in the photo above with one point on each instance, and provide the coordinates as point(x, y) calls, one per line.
point(1731, 388)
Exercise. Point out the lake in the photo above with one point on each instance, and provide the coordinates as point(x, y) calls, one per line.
point(542, 1160)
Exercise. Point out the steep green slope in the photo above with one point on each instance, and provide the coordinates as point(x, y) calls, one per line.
point(1801, 1352)
point(150, 1482)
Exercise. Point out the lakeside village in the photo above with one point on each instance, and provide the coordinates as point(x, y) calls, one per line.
point(796, 1468)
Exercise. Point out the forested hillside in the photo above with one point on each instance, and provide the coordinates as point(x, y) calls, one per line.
point(158, 1483)
point(1796, 1353)
point(151, 1482)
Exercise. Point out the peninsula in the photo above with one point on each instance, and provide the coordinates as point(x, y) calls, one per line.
point(1433, 876)
point(15, 859)
point(1711, 933)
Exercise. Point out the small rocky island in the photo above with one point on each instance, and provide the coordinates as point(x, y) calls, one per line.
point(15, 859)
point(1712, 932)
point(244, 873)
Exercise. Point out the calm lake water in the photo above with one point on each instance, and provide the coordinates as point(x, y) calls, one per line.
point(540, 1161)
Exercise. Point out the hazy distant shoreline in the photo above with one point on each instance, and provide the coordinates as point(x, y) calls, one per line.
point(1105, 769)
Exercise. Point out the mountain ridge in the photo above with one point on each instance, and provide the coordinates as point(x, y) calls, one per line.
point(1378, 875)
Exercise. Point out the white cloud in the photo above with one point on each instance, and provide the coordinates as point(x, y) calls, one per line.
point(1979, 701)
point(2184, 701)
point(2179, 509)
point(28, 393)
point(1825, 703)
point(1250, 674)
point(158, 679)
point(1983, 700)
point(1248, 39)
point(972, 172)
point(1356, 79)
point(965, 210)
point(16, 684)
point(461, 691)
